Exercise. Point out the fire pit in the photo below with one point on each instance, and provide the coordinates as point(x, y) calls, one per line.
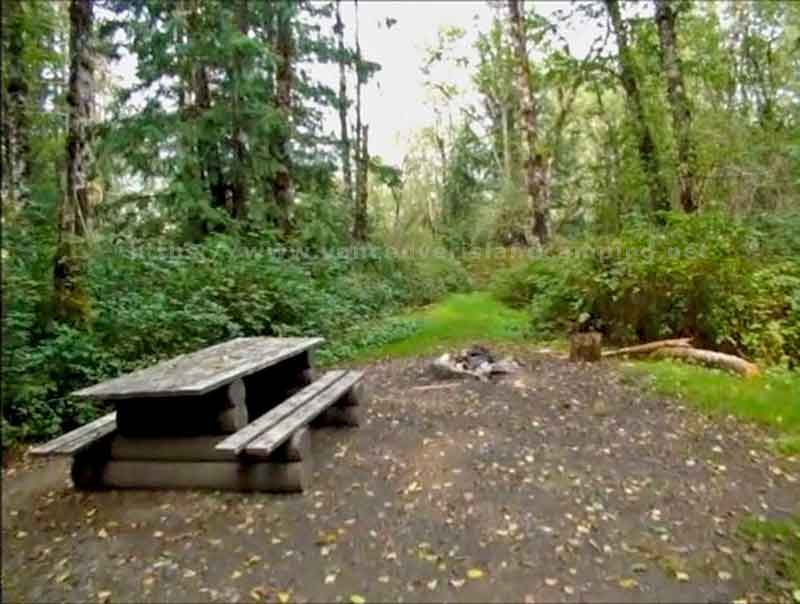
point(477, 362)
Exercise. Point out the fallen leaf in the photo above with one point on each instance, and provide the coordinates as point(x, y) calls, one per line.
point(475, 573)
point(328, 538)
point(724, 575)
point(628, 583)
point(103, 596)
point(681, 576)
point(550, 582)
point(432, 584)
point(329, 579)
point(283, 597)
point(383, 579)
point(457, 583)
point(356, 599)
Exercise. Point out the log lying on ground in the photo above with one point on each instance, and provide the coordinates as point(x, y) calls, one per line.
point(643, 349)
point(709, 358)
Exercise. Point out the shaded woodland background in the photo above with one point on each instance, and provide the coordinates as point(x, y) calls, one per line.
point(648, 188)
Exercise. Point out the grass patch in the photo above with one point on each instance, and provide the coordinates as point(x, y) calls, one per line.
point(772, 399)
point(456, 320)
point(783, 536)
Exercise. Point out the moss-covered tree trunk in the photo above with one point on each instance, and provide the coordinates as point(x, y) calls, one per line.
point(535, 164)
point(282, 189)
point(360, 206)
point(666, 17)
point(360, 225)
point(74, 213)
point(239, 184)
point(659, 193)
point(347, 172)
point(16, 109)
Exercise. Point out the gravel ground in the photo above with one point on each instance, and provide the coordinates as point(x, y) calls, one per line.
point(563, 482)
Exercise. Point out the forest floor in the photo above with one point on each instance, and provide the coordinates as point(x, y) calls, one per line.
point(563, 482)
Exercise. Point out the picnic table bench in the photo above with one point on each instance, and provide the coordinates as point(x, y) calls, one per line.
point(231, 416)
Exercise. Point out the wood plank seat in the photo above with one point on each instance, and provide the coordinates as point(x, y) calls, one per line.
point(79, 439)
point(263, 436)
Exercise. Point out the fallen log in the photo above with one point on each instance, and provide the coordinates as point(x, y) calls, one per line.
point(709, 358)
point(642, 349)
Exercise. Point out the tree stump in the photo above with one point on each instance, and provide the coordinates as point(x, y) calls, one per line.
point(586, 346)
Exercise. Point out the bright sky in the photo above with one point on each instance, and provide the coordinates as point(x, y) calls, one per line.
point(395, 103)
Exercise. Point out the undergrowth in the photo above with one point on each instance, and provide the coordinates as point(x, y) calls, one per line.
point(771, 399)
point(152, 302)
point(733, 286)
point(783, 538)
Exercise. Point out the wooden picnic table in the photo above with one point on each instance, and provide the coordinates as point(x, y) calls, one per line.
point(233, 415)
point(199, 372)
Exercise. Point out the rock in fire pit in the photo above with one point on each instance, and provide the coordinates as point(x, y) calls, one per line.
point(477, 362)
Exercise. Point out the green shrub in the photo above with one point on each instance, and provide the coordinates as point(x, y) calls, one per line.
point(704, 276)
point(151, 302)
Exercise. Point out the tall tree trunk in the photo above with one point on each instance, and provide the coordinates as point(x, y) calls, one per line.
point(360, 224)
point(72, 301)
point(282, 192)
point(17, 103)
point(508, 166)
point(659, 195)
point(347, 173)
point(239, 185)
point(666, 17)
point(360, 206)
point(269, 12)
point(207, 149)
point(535, 165)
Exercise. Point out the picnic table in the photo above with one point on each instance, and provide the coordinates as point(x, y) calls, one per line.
point(231, 416)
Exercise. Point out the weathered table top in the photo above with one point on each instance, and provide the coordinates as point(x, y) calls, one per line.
point(202, 371)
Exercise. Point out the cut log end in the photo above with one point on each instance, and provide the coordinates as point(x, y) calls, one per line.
point(297, 448)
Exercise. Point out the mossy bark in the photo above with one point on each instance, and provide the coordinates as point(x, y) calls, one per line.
point(74, 213)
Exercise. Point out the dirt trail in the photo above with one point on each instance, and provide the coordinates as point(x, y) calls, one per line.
point(562, 483)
